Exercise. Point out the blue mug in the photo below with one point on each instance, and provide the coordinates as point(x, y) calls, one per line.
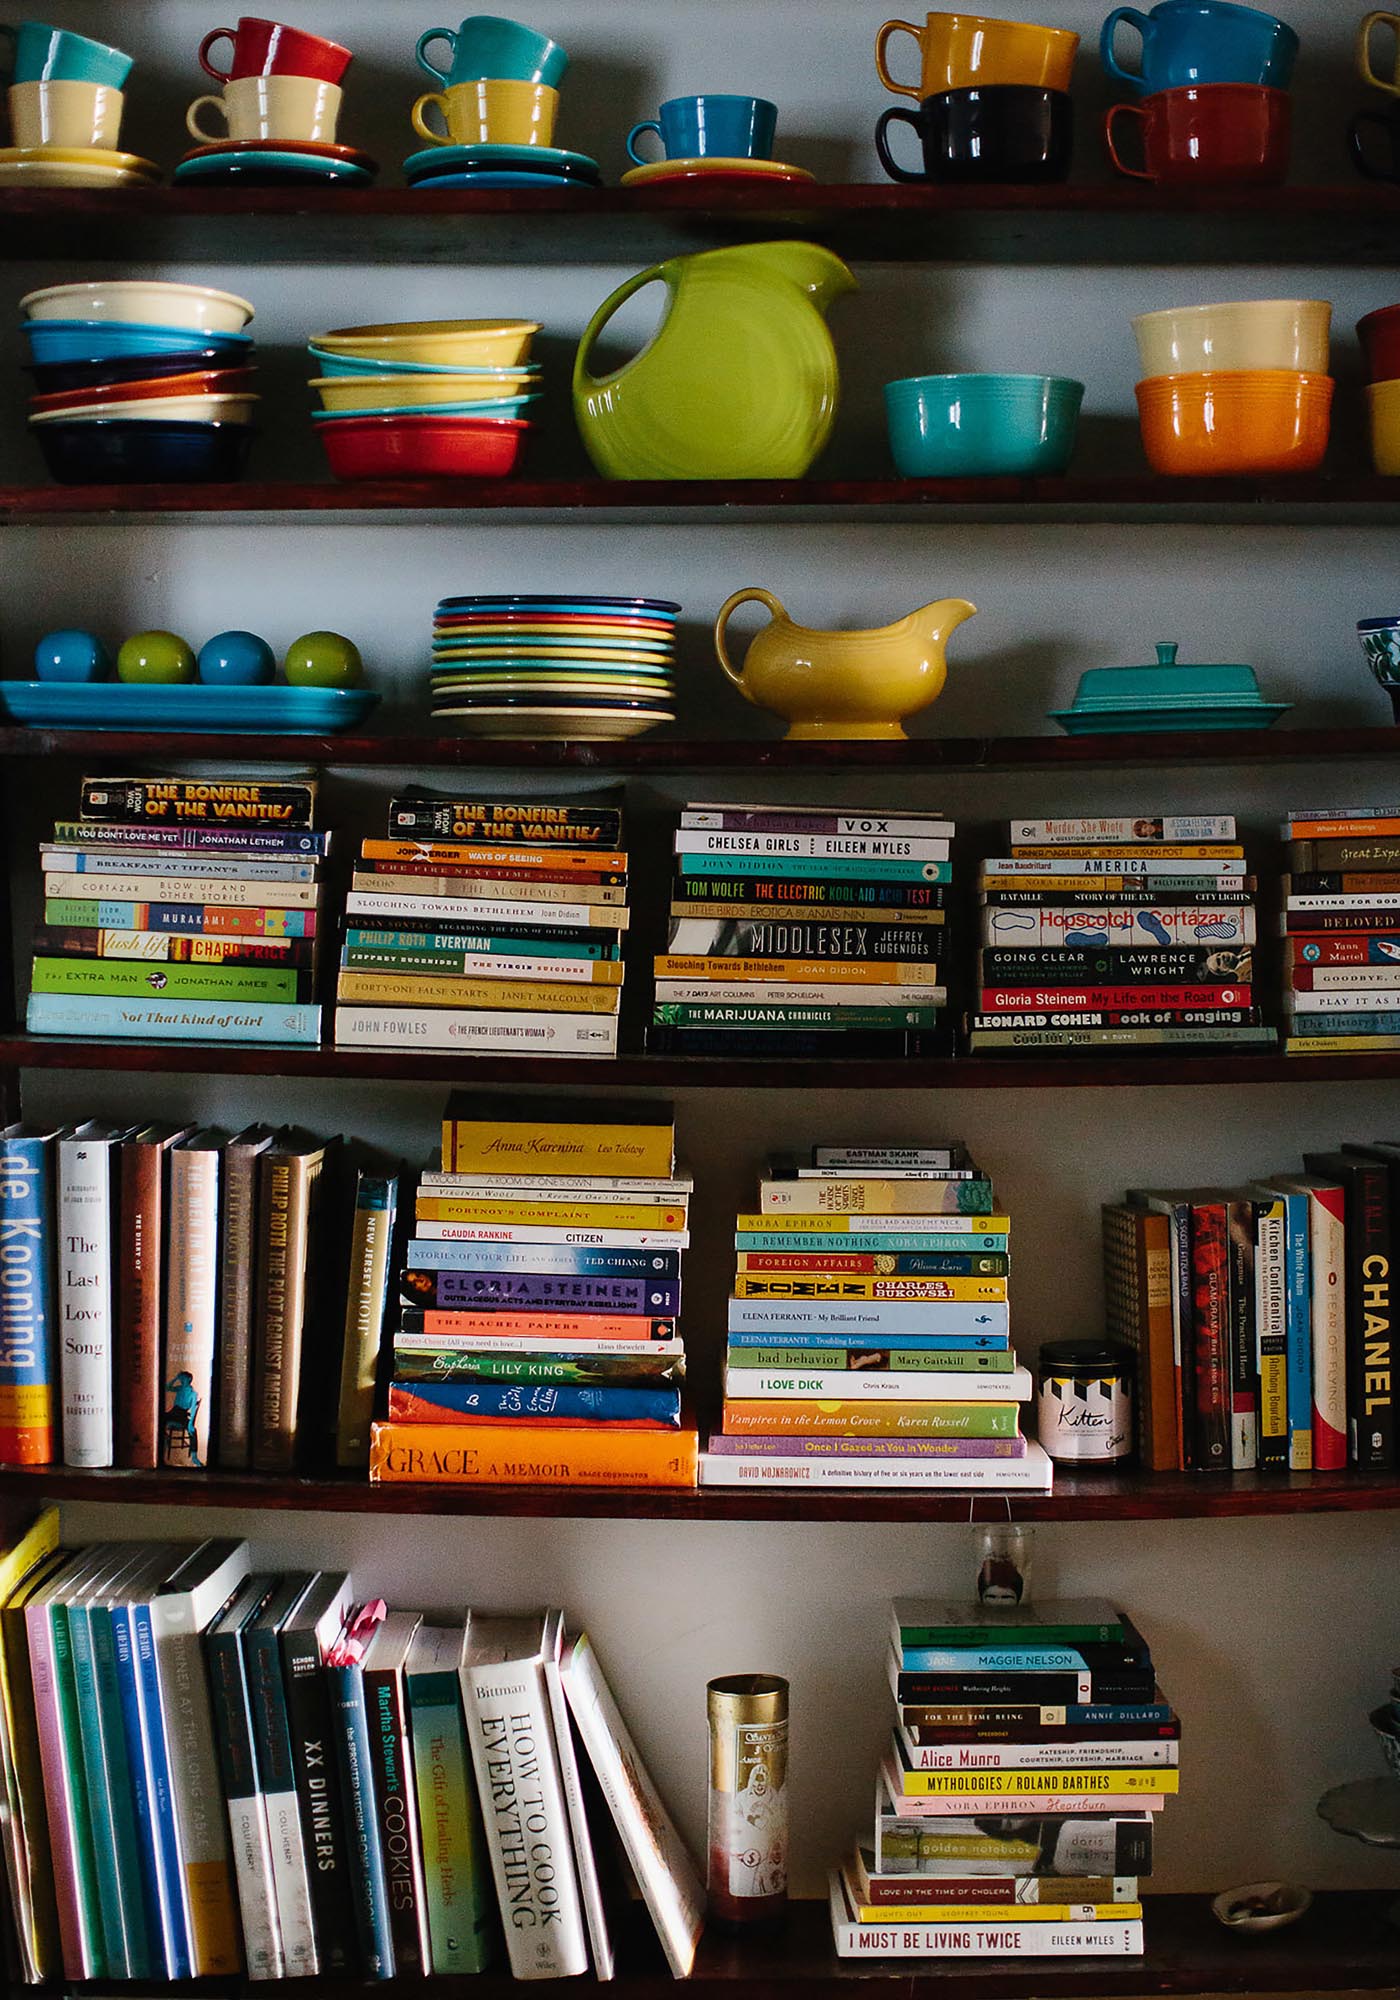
point(53, 55)
point(1188, 42)
point(713, 127)
point(488, 46)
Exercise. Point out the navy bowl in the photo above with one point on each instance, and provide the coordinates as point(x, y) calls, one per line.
point(114, 451)
point(54, 376)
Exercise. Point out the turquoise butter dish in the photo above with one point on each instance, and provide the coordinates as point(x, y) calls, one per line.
point(1168, 695)
point(269, 711)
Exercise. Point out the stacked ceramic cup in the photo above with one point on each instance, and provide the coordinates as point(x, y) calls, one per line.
point(1379, 334)
point(1212, 83)
point(274, 116)
point(993, 100)
point(66, 102)
point(491, 121)
point(140, 380)
point(1382, 161)
point(1235, 389)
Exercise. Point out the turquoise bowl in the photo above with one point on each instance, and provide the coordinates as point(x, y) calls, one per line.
point(982, 426)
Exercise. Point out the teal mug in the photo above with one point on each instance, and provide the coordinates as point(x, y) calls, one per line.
point(487, 45)
point(55, 55)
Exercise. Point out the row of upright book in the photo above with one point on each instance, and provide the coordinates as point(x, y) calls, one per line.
point(210, 1768)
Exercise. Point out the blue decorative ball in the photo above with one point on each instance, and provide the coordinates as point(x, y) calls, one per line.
point(72, 656)
point(236, 659)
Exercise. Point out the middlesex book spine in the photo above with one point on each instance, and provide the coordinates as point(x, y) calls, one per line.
point(27, 1344)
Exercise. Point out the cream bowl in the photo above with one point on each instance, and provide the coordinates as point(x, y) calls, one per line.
point(161, 410)
point(141, 300)
point(1250, 333)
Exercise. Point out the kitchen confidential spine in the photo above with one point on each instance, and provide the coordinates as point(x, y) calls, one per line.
point(191, 1303)
point(367, 1298)
point(28, 1348)
point(85, 1295)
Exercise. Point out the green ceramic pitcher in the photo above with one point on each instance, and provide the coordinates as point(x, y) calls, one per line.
point(739, 380)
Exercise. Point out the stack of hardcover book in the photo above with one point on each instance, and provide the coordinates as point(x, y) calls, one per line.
point(869, 1330)
point(214, 1769)
point(490, 925)
point(539, 1342)
point(1262, 1316)
point(1117, 933)
point(1341, 928)
point(799, 930)
point(1014, 1815)
point(182, 908)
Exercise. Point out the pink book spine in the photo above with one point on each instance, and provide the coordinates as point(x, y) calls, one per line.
point(1327, 1242)
point(52, 1760)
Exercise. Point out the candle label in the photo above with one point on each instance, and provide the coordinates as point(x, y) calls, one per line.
point(1086, 1420)
point(751, 1830)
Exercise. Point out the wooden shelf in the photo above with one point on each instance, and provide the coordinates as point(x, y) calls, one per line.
point(1124, 1496)
point(1302, 500)
point(1113, 224)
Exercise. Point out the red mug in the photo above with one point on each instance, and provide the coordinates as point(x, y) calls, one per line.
point(1208, 135)
point(267, 48)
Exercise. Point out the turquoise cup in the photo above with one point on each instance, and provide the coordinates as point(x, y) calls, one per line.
point(41, 54)
point(487, 45)
point(982, 426)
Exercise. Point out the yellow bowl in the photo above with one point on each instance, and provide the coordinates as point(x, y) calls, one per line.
point(459, 343)
point(372, 392)
point(1384, 398)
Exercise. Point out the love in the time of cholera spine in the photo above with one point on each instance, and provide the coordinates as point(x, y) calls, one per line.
point(28, 1348)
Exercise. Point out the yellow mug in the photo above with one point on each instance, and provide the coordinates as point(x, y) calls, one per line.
point(59, 112)
point(304, 108)
point(490, 111)
point(1363, 51)
point(964, 51)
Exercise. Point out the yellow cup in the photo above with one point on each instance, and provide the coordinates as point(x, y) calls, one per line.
point(63, 113)
point(964, 51)
point(1391, 79)
point(271, 107)
point(490, 111)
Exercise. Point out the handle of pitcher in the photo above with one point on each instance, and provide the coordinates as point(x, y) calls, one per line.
point(583, 376)
point(753, 595)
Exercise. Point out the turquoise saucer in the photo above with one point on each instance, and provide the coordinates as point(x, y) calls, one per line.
point(256, 160)
point(460, 159)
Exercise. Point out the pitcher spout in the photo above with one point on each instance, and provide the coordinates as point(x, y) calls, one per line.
point(815, 271)
point(938, 622)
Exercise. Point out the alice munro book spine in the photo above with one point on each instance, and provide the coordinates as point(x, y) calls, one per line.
point(26, 1297)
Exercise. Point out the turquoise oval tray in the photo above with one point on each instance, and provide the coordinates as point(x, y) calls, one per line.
point(249, 711)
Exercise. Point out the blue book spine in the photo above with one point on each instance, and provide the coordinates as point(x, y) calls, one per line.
point(191, 840)
point(813, 1241)
point(162, 1796)
point(928, 1343)
point(109, 1885)
point(132, 1824)
point(559, 1259)
point(534, 1402)
point(194, 866)
point(367, 1879)
point(1298, 1265)
point(993, 1660)
point(866, 1316)
point(101, 1016)
point(27, 1363)
point(107, 914)
point(1107, 1715)
point(815, 867)
point(1345, 1024)
point(505, 1291)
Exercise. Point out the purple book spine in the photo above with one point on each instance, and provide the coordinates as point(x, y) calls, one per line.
point(867, 1447)
point(450, 1291)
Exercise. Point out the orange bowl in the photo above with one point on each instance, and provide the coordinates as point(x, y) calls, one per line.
point(1218, 424)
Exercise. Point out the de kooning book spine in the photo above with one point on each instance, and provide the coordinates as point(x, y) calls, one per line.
point(28, 1356)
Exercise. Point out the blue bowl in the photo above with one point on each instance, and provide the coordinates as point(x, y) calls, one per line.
point(982, 426)
point(111, 451)
point(52, 377)
point(63, 341)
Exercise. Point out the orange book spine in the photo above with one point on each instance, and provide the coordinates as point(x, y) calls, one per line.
point(559, 1329)
point(515, 856)
point(529, 1455)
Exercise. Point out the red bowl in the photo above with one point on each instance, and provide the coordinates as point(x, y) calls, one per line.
point(1379, 334)
point(208, 382)
point(423, 447)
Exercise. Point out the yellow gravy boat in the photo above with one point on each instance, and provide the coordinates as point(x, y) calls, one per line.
point(838, 685)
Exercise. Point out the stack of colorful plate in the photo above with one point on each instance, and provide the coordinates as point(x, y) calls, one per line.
point(490, 166)
point(275, 163)
point(554, 668)
point(140, 380)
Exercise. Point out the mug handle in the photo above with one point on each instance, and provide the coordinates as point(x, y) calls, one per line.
point(881, 43)
point(1363, 48)
point(420, 123)
point(1133, 78)
point(430, 68)
point(896, 115)
point(647, 125)
point(583, 375)
point(215, 35)
point(753, 595)
point(1358, 150)
point(193, 126)
point(1124, 111)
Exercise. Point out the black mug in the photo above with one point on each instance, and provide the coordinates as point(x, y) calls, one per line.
point(1389, 124)
point(999, 133)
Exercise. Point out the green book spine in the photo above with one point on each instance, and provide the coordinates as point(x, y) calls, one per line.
point(136, 981)
point(956, 1361)
point(451, 1364)
point(84, 1857)
point(140, 1948)
point(455, 1865)
point(99, 1800)
point(784, 1014)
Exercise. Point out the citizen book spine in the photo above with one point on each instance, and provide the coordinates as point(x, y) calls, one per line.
point(217, 919)
point(451, 1028)
point(170, 947)
point(504, 1291)
point(102, 1018)
point(801, 819)
point(498, 821)
point(812, 846)
point(538, 1404)
point(1151, 966)
point(782, 867)
point(555, 1326)
point(452, 967)
point(1137, 832)
point(430, 941)
point(766, 894)
point(656, 1265)
point(1124, 924)
point(789, 938)
point(57, 860)
point(29, 1351)
point(485, 913)
point(187, 839)
point(152, 888)
point(908, 1264)
point(602, 1239)
point(140, 981)
point(195, 801)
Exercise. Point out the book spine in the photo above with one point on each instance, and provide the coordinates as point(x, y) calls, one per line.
point(141, 1235)
point(561, 1213)
point(846, 847)
point(541, 941)
point(190, 1308)
point(65, 1793)
point(385, 989)
point(391, 1755)
point(27, 1304)
point(247, 1814)
point(189, 839)
point(1271, 1283)
point(824, 871)
point(216, 919)
point(276, 1778)
point(237, 1262)
point(562, 905)
point(1143, 834)
point(101, 1019)
point(57, 859)
point(366, 1303)
point(461, 965)
point(532, 1404)
point(1064, 1755)
point(183, 1693)
point(1004, 1893)
point(129, 1808)
point(734, 819)
point(184, 802)
point(1211, 1318)
point(111, 1909)
point(860, 1419)
point(453, 1838)
point(531, 1455)
point(138, 888)
point(283, 1219)
point(85, 1300)
point(498, 1294)
point(1147, 965)
point(1300, 1359)
point(1110, 1781)
point(543, 1259)
point(164, 1918)
point(1077, 1940)
point(1243, 1358)
point(425, 822)
point(366, 1858)
point(161, 1781)
point(452, 1028)
point(115, 979)
point(323, 1819)
point(796, 938)
point(869, 1318)
point(1117, 924)
point(1370, 1325)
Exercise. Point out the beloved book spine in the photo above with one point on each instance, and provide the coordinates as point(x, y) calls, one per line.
point(238, 1248)
point(470, 1233)
point(543, 1405)
point(366, 1858)
point(85, 1297)
point(28, 1344)
point(1211, 1267)
point(366, 1303)
point(196, 801)
point(530, 1455)
point(191, 1298)
point(391, 1756)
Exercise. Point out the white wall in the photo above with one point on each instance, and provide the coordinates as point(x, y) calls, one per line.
point(1274, 1636)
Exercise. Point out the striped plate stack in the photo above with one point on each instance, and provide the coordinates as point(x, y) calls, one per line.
point(554, 667)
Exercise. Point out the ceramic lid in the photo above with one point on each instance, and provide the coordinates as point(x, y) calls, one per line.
point(1168, 680)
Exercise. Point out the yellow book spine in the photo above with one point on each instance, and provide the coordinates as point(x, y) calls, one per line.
point(633, 1150)
point(1017, 1784)
point(823, 971)
point(998, 1913)
point(524, 996)
point(484, 888)
point(838, 1225)
point(837, 1287)
point(530, 1455)
point(564, 1214)
point(1339, 1045)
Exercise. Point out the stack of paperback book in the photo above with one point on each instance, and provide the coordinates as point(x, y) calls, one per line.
point(205, 1768)
point(1117, 933)
point(1341, 927)
point(184, 908)
point(539, 1342)
point(1263, 1316)
point(869, 1330)
point(1014, 1815)
point(491, 925)
point(798, 930)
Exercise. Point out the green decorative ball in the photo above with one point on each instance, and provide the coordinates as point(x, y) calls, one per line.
point(323, 659)
point(155, 657)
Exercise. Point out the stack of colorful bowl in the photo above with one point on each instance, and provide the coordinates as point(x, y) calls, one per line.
point(1235, 389)
point(555, 668)
point(139, 380)
point(437, 398)
point(1379, 334)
